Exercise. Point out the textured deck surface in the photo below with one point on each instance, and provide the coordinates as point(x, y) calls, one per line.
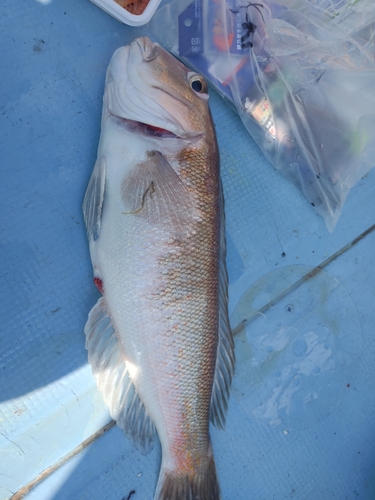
point(301, 416)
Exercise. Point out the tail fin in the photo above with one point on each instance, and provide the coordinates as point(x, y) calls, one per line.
point(202, 486)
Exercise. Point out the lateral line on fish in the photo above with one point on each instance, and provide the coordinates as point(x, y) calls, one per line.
point(47, 472)
point(314, 272)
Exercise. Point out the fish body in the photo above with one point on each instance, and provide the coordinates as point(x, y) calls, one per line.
point(158, 339)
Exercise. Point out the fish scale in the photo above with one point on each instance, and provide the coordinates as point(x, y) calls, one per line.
point(158, 339)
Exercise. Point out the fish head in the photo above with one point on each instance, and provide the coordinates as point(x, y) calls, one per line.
point(145, 84)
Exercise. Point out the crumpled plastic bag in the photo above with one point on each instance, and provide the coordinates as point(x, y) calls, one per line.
point(301, 74)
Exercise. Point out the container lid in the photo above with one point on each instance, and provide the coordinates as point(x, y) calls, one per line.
point(122, 14)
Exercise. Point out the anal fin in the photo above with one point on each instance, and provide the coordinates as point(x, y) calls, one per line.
point(109, 368)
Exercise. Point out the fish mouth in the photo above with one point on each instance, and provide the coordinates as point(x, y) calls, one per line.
point(147, 48)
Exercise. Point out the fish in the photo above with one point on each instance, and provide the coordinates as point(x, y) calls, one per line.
point(158, 339)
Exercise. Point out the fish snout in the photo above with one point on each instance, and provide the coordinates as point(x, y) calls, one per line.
point(148, 49)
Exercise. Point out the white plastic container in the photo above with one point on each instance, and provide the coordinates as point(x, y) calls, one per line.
point(121, 14)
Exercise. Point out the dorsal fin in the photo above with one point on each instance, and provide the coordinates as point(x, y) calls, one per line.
point(225, 359)
point(112, 377)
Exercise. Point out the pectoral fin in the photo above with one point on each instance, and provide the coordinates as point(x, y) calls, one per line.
point(153, 191)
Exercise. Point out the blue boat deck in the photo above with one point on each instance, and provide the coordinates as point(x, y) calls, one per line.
point(301, 416)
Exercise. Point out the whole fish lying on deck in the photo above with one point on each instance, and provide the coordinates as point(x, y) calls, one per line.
point(158, 339)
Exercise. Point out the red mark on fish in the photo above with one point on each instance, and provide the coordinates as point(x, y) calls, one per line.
point(99, 284)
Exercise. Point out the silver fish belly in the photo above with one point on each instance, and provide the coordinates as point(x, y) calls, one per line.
point(158, 339)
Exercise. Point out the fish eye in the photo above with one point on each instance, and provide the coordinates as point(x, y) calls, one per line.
point(197, 83)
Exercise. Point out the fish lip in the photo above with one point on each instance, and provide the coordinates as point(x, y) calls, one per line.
point(148, 49)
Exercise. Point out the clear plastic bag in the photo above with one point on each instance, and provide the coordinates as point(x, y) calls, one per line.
point(301, 74)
